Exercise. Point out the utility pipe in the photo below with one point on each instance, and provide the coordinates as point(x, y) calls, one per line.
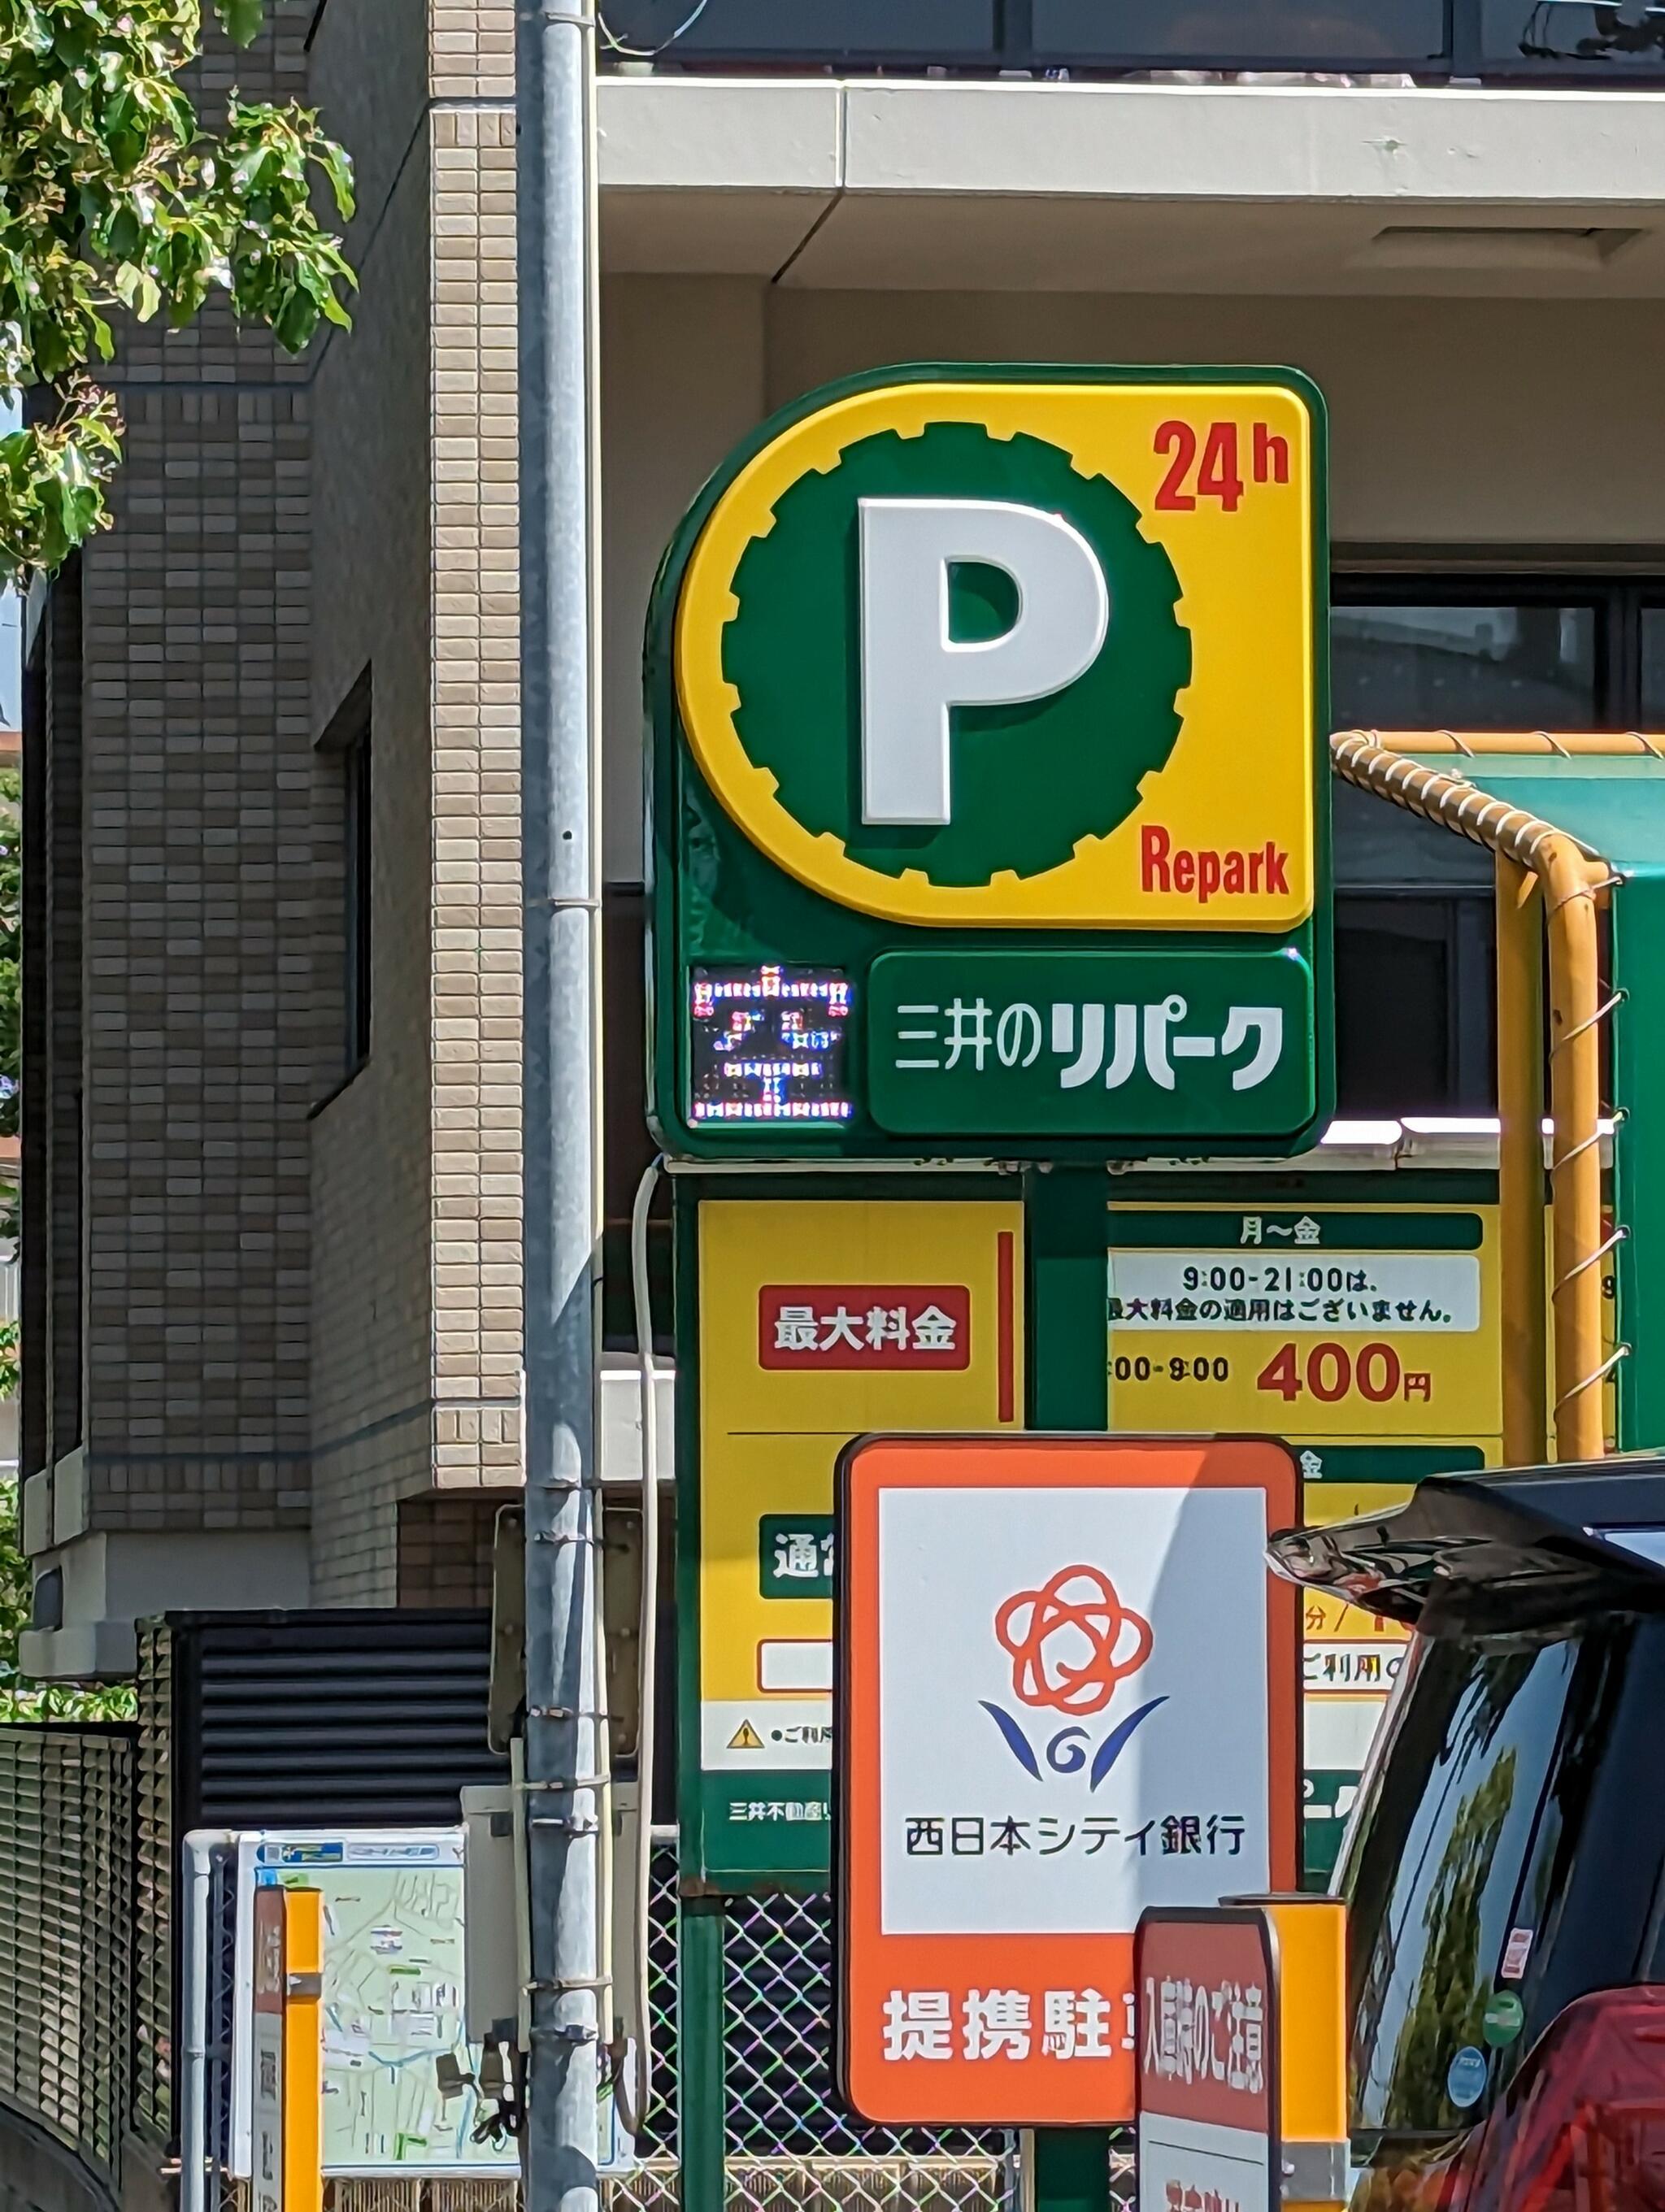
point(1571, 880)
point(196, 1949)
point(1521, 1230)
point(1519, 745)
point(635, 2095)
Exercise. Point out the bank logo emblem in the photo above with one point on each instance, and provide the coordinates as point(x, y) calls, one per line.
point(1071, 1643)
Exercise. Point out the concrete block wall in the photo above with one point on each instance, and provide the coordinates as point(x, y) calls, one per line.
point(197, 1022)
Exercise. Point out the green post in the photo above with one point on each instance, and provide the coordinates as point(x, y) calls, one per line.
point(1069, 1388)
point(700, 2052)
point(1068, 1339)
point(1638, 1053)
point(1071, 2169)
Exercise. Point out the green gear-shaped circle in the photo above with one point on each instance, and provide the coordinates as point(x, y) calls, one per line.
point(1029, 782)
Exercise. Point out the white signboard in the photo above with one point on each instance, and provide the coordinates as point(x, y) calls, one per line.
point(1194, 2163)
point(1010, 1806)
point(1362, 1291)
point(1207, 2039)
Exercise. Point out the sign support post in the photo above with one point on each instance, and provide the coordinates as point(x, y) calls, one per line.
point(1069, 1388)
point(699, 2087)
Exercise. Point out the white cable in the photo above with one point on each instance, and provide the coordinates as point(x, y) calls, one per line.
point(617, 44)
point(606, 1981)
point(634, 2097)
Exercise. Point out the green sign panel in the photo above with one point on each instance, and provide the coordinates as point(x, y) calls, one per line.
point(954, 665)
point(1412, 1463)
point(1270, 1229)
point(795, 1555)
point(1129, 1045)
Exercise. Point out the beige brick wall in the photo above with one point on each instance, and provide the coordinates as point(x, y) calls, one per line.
point(416, 1165)
point(477, 738)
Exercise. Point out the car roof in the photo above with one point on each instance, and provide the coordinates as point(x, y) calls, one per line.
point(1508, 1546)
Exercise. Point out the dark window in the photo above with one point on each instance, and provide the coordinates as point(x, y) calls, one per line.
point(1652, 687)
point(356, 841)
point(346, 745)
point(1439, 1882)
point(1529, 666)
point(54, 1260)
point(1414, 990)
point(1415, 936)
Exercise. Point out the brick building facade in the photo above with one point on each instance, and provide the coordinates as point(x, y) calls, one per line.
point(272, 1220)
point(272, 1298)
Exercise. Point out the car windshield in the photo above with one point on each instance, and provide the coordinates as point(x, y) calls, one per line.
point(1456, 1861)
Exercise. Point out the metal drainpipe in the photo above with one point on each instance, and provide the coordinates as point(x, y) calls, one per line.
point(1572, 881)
point(1575, 1012)
point(1521, 1256)
point(195, 1952)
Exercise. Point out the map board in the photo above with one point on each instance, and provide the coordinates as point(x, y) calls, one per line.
point(392, 1997)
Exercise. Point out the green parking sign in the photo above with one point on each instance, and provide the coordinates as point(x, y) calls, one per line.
point(998, 692)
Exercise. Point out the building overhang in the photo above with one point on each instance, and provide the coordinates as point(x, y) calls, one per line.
point(829, 183)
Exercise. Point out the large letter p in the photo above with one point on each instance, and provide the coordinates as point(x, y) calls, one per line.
point(914, 673)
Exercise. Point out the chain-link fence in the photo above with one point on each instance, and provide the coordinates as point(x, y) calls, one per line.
point(789, 2145)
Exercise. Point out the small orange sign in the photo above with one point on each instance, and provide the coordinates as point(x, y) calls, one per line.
point(1068, 1690)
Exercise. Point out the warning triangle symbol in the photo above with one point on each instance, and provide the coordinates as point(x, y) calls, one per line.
point(745, 1738)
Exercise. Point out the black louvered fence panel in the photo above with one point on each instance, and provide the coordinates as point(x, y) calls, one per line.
point(155, 1874)
point(66, 1870)
point(354, 1719)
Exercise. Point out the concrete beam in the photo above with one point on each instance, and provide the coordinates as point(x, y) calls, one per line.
point(953, 184)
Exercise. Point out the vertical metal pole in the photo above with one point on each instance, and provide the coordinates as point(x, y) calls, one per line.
point(1068, 2169)
point(699, 2087)
point(1523, 1258)
point(556, 305)
point(1638, 930)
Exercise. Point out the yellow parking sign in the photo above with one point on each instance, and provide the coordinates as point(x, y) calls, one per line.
point(1150, 536)
point(818, 1319)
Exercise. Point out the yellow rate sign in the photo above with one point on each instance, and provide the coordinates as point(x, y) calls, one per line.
point(1142, 537)
point(819, 1320)
point(1323, 1321)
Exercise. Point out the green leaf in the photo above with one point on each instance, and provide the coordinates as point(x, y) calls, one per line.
point(113, 189)
point(242, 18)
point(337, 167)
point(297, 321)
